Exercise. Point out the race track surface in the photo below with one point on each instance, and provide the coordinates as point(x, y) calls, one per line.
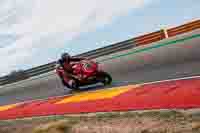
point(153, 62)
point(176, 94)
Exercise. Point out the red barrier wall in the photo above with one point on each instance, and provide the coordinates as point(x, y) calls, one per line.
point(159, 35)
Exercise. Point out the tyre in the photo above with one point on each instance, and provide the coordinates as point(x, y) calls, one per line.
point(73, 84)
point(63, 82)
point(105, 78)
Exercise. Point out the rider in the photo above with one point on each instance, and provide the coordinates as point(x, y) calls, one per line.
point(64, 62)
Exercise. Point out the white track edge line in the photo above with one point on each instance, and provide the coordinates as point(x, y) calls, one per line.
point(160, 81)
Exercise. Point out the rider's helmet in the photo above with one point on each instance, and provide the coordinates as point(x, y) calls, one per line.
point(65, 57)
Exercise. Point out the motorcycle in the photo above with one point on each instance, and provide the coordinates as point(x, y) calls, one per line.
point(87, 72)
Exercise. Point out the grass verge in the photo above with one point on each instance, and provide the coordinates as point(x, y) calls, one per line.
point(165, 121)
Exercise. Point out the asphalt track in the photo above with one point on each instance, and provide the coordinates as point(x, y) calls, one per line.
point(167, 59)
point(171, 94)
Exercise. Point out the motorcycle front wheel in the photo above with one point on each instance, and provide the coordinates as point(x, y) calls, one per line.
point(73, 85)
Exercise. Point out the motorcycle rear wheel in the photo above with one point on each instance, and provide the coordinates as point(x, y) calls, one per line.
point(105, 78)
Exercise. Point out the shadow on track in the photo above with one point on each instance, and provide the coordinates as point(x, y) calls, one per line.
point(96, 87)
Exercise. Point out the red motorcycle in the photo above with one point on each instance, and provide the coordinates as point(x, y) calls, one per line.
point(85, 72)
